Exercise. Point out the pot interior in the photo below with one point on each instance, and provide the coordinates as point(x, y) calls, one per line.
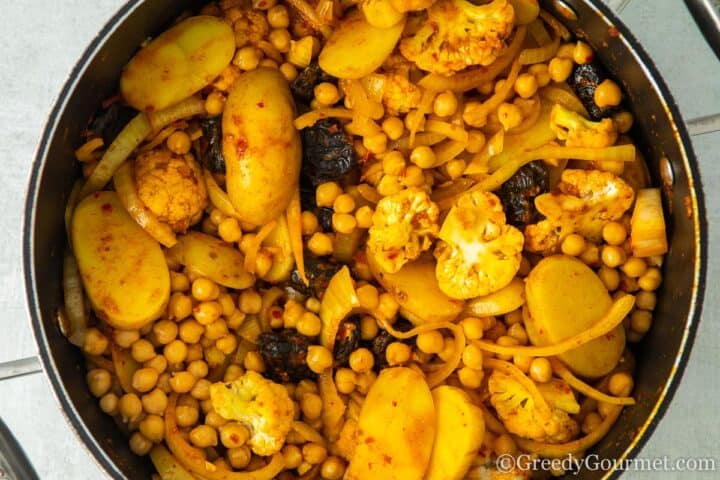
point(658, 133)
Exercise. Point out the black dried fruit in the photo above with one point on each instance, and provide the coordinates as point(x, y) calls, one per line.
point(211, 145)
point(328, 153)
point(284, 354)
point(303, 87)
point(319, 271)
point(347, 340)
point(109, 122)
point(379, 344)
point(518, 193)
point(584, 80)
point(324, 216)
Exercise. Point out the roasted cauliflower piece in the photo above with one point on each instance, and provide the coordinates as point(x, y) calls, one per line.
point(404, 226)
point(171, 186)
point(400, 95)
point(478, 253)
point(264, 406)
point(458, 34)
point(250, 27)
point(580, 132)
point(585, 201)
point(522, 416)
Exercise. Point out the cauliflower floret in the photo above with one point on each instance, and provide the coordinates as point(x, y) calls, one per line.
point(171, 187)
point(404, 225)
point(458, 34)
point(399, 94)
point(586, 201)
point(250, 27)
point(264, 406)
point(519, 413)
point(479, 253)
point(580, 132)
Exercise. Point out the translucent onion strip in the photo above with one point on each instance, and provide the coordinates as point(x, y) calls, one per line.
point(540, 54)
point(252, 252)
point(308, 13)
point(75, 310)
point(312, 117)
point(612, 318)
point(125, 186)
point(513, 371)
point(294, 221)
point(194, 459)
point(563, 372)
point(450, 130)
point(218, 197)
point(187, 108)
point(565, 98)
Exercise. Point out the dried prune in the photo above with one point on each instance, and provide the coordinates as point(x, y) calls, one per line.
point(328, 153)
point(319, 271)
point(324, 216)
point(379, 344)
point(347, 340)
point(518, 193)
point(284, 354)
point(109, 122)
point(303, 87)
point(211, 145)
point(584, 80)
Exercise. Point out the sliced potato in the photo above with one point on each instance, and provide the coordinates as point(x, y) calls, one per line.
point(261, 146)
point(564, 298)
point(460, 433)
point(212, 258)
point(339, 57)
point(397, 427)
point(381, 13)
point(417, 292)
point(178, 63)
point(122, 267)
point(505, 300)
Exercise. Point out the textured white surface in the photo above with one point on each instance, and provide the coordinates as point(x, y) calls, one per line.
point(41, 39)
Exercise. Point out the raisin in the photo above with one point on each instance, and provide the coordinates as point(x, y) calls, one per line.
point(347, 340)
point(303, 87)
point(324, 216)
point(328, 153)
point(109, 122)
point(319, 271)
point(284, 354)
point(518, 193)
point(379, 344)
point(211, 145)
point(584, 80)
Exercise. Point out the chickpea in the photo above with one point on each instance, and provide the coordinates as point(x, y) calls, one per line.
point(319, 358)
point(393, 127)
point(641, 321)
point(309, 223)
point(320, 244)
point(365, 381)
point(389, 185)
point(99, 381)
point(214, 419)
point(165, 331)
point(645, 300)
point(540, 370)
point(95, 343)
point(610, 277)
point(142, 351)
point(155, 402)
point(182, 382)
point(215, 103)
point(175, 351)
point(201, 389)
point(234, 435)
point(139, 444)
point(326, 93)
point(361, 360)
point(180, 306)
point(345, 380)
point(344, 223)
point(203, 436)
point(573, 245)
point(190, 331)
point(445, 104)
point(309, 325)
point(505, 445)
point(620, 384)
point(423, 156)
point(431, 342)
point(397, 353)
point(153, 428)
point(314, 453)
point(376, 143)
point(634, 267)
point(311, 406)
point(125, 338)
point(229, 230)
point(145, 379)
point(164, 382)
point(326, 193)
point(509, 115)
point(522, 362)
point(591, 421)
point(292, 455)
point(130, 407)
point(393, 163)
point(651, 280)
point(473, 357)
point(204, 289)
point(247, 58)
point(473, 328)
point(333, 468)
point(278, 17)
point(363, 217)
point(517, 331)
point(239, 457)
point(607, 94)
point(470, 377)
point(388, 306)
point(624, 121)
point(448, 350)
point(368, 328)
point(280, 39)
point(109, 403)
point(560, 69)
point(216, 330)
point(253, 361)
point(540, 71)
point(583, 53)
point(179, 142)
point(250, 302)
point(613, 256)
point(591, 255)
point(614, 233)
point(198, 368)
point(526, 85)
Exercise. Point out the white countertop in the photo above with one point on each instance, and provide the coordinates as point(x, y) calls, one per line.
point(40, 41)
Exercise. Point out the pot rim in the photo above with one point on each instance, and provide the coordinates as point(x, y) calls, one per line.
point(682, 137)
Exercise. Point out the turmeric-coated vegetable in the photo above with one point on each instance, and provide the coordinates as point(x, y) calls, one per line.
point(260, 145)
point(178, 63)
point(565, 297)
point(647, 227)
point(122, 267)
point(397, 427)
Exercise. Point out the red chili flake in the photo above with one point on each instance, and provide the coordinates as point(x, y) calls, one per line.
point(107, 208)
point(589, 58)
point(334, 128)
point(261, 104)
point(241, 146)
point(276, 314)
point(613, 32)
point(366, 158)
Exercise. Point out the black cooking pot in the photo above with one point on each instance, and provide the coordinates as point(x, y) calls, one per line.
point(658, 130)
